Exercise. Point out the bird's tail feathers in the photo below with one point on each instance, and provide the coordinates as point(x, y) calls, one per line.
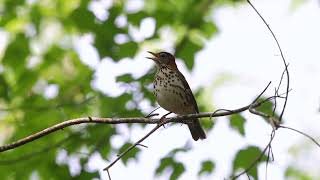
point(196, 130)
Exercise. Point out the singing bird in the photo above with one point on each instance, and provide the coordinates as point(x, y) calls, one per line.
point(173, 92)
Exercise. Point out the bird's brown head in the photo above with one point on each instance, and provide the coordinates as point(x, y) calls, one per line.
point(164, 59)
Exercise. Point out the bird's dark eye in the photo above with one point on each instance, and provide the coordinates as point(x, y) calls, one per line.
point(163, 55)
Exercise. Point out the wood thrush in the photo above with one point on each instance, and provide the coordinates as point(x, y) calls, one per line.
point(173, 92)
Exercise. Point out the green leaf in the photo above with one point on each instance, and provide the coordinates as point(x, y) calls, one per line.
point(132, 154)
point(83, 18)
point(16, 54)
point(206, 123)
point(294, 173)
point(164, 163)
point(178, 169)
point(62, 171)
point(163, 13)
point(186, 148)
point(126, 78)
point(96, 138)
point(113, 106)
point(53, 55)
point(121, 51)
point(135, 18)
point(244, 159)
point(36, 16)
point(168, 162)
point(206, 167)
point(266, 107)
point(27, 80)
point(208, 29)
point(4, 88)
point(296, 4)
point(104, 37)
point(87, 175)
point(237, 122)
point(104, 41)
point(187, 52)
point(128, 49)
point(202, 96)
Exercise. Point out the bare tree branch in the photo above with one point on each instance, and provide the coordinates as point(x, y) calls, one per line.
point(302, 133)
point(282, 56)
point(141, 120)
point(74, 122)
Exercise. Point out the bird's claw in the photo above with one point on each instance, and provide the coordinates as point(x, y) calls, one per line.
point(163, 119)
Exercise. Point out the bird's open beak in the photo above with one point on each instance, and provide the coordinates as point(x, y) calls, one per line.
point(155, 56)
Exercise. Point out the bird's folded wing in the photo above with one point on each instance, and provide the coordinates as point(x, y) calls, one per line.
point(190, 97)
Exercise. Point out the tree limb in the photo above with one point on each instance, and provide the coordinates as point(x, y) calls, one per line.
point(141, 120)
point(282, 57)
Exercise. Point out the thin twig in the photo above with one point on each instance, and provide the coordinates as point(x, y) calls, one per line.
point(142, 145)
point(258, 158)
point(282, 56)
point(108, 174)
point(262, 114)
point(277, 92)
point(151, 115)
point(275, 102)
point(281, 79)
point(267, 163)
point(264, 90)
point(248, 176)
point(134, 145)
point(268, 159)
point(214, 113)
point(300, 132)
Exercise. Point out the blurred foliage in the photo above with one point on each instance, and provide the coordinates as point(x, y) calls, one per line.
point(40, 53)
point(205, 98)
point(268, 108)
point(207, 167)
point(170, 164)
point(295, 4)
point(245, 157)
point(294, 173)
point(237, 122)
point(303, 154)
point(131, 154)
point(177, 168)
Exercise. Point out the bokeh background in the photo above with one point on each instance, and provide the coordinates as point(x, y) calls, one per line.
point(68, 59)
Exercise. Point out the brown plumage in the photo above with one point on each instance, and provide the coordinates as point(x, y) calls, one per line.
point(173, 92)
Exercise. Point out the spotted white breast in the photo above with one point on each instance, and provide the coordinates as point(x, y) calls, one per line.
point(170, 92)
